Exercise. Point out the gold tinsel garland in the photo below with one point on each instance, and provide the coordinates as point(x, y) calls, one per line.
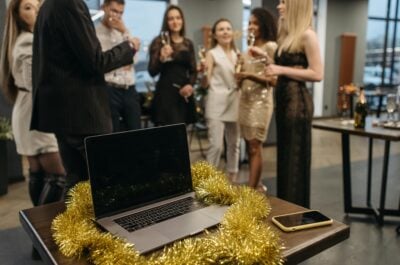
point(242, 238)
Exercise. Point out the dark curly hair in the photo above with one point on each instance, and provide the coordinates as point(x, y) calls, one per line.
point(267, 23)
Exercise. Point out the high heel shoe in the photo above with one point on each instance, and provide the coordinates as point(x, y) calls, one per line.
point(262, 188)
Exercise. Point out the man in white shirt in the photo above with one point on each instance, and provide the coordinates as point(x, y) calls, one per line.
point(123, 97)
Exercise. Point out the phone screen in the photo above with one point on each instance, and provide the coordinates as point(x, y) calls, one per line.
point(303, 218)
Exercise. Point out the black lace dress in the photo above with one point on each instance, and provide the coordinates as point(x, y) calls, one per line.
point(294, 111)
point(168, 106)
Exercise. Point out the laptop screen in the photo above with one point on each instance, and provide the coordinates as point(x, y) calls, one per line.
point(134, 168)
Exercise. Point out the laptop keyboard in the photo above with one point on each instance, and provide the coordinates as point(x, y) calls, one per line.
point(158, 214)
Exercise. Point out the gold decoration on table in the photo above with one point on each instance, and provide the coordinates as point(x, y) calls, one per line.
point(243, 237)
point(345, 93)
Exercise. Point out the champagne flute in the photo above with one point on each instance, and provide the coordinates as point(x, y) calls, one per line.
point(251, 39)
point(202, 57)
point(165, 40)
point(391, 106)
point(239, 62)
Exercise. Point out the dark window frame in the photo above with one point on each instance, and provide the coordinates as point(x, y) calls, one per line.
point(387, 45)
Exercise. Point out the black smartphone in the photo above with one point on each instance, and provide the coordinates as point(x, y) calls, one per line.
point(301, 220)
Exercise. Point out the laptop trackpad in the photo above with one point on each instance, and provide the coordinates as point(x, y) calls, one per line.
point(185, 225)
point(147, 239)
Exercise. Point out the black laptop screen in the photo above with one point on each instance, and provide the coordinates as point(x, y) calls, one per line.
point(137, 167)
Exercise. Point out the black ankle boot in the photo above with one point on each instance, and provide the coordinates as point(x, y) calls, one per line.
point(36, 184)
point(53, 189)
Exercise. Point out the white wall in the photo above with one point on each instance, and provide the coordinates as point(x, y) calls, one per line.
point(318, 91)
point(343, 16)
point(256, 3)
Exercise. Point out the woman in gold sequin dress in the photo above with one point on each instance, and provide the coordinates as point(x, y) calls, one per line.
point(256, 102)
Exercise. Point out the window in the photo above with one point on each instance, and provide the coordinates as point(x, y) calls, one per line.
point(136, 18)
point(382, 64)
point(92, 4)
point(245, 22)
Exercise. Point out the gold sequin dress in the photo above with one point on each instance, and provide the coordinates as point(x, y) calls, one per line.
point(256, 102)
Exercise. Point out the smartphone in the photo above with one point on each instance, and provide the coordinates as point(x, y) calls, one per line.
point(301, 220)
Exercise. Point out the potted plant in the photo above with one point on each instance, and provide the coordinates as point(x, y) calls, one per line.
point(10, 161)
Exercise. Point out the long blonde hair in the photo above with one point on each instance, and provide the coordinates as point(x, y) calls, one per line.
point(14, 25)
point(298, 18)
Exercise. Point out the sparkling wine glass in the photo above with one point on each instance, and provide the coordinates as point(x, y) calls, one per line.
point(391, 106)
point(239, 62)
point(165, 40)
point(251, 39)
point(202, 57)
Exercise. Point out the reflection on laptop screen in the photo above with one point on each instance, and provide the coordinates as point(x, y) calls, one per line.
point(137, 167)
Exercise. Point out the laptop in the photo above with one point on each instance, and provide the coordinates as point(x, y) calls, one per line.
point(141, 187)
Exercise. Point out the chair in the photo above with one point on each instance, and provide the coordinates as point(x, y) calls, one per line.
point(198, 129)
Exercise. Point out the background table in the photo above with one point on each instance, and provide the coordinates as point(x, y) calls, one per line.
point(372, 132)
point(300, 245)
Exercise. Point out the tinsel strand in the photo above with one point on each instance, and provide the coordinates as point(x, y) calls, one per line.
point(243, 237)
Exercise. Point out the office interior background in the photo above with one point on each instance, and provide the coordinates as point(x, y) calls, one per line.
point(376, 26)
point(373, 22)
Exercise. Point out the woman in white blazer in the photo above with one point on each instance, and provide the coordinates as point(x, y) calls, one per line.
point(222, 101)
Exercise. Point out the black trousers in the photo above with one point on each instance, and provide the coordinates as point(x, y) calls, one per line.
point(125, 107)
point(72, 152)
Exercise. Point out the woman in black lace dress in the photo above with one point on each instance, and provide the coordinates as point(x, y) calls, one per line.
point(172, 57)
point(297, 60)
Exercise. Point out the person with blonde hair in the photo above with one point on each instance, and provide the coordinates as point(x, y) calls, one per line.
point(46, 172)
point(222, 101)
point(298, 60)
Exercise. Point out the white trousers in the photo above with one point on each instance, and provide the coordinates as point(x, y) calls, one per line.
point(216, 132)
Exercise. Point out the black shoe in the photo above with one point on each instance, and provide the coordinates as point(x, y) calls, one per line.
point(53, 189)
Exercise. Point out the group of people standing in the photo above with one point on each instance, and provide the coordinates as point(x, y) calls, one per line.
point(240, 103)
point(70, 80)
point(282, 57)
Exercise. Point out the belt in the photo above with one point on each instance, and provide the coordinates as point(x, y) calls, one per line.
point(119, 85)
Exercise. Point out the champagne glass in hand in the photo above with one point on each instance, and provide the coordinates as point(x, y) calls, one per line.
point(239, 62)
point(166, 41)
point(251, 39)
point(202, 59)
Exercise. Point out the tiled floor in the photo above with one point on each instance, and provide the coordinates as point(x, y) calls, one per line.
point(368, 244)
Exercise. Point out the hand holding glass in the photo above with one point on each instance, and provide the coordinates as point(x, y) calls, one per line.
point(166, 40)
point(202, 58)
point(251, 39)
point(260, 56)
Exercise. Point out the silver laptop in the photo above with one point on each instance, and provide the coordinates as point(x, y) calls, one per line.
point(141, 187)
